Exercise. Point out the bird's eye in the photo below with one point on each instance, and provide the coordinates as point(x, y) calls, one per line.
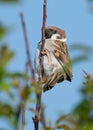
point(58, 37)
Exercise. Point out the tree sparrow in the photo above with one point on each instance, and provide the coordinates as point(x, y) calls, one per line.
point(56, 61)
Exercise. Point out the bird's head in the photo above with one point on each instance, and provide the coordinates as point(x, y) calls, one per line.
point(54, 33)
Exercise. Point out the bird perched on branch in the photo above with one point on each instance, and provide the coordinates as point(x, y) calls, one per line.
point(56, 61)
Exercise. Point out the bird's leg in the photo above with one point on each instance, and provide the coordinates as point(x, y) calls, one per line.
point(46, 52)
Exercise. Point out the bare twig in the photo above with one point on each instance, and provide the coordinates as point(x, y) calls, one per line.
point(43, 36)
point(38, 94)
point(42, 117)
point(30, 65)
point(27, 64)
point(38, 105)
point(23, 105)
point(27, 44)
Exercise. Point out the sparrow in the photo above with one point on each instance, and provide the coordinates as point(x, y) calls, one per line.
point(56, 60)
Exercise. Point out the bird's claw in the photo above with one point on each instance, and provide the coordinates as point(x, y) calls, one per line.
point(44, 52)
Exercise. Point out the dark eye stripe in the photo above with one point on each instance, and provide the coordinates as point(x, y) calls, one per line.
point(58, 37)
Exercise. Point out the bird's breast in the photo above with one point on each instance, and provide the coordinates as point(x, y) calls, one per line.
point(50, 66)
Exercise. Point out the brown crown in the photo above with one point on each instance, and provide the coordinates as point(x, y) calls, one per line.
point(60, 31)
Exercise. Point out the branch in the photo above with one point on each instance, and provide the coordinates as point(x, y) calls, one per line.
point(23, 104)
point(43, 37)
point(42, 117)
point(39, 94)
point(27, 44)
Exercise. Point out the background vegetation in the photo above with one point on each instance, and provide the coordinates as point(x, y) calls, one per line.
point(16, 89)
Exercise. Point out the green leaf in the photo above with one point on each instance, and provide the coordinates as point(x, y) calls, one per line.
point(78, 59)
point(90, 126)
point(25, 92)
point(61, 118)
point(5, 56)
point(48, 128)
point(64, 126)
point(82, 111)
point(81, 47)
point(15, 75)
point(9, 113)
point(3, 31)
point(88, 86)
point(5, 109)
point(9, 1)
point(90, 0)
point(4, 86)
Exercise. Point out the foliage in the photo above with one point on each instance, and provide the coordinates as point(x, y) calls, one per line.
point(82, 51)
point(90, 2)
point(10, 86)
point(81, 117)
point(9, 1)
point(16, 89)
point(7, 111)
point(84, 110)
point(3, 31)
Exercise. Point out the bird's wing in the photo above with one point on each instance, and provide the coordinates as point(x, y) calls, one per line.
point(37, 61)
point(61, 53)
point(52, 80)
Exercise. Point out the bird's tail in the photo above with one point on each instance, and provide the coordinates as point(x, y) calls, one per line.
point(52, 80)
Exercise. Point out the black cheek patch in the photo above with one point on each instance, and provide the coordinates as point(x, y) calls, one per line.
point(49, 33)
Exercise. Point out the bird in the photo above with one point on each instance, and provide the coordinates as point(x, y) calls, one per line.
point(57, 65)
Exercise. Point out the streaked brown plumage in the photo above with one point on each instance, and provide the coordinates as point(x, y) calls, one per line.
point(56, 60)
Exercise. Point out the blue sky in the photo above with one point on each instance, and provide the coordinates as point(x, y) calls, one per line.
point(72, 16)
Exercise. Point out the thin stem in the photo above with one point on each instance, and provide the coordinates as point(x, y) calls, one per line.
point(42, 117)
point(43, 37)
point(23, 114)
point(39, 94)
point(27, 44)
point(38, 106)
point(23, 105)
